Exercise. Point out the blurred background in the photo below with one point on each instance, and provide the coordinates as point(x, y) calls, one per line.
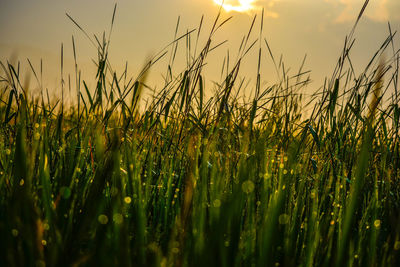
point(316, 28)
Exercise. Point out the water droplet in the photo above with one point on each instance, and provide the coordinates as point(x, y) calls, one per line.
point(103, 219)
point(248, 187)
point(65, 192)
point(127, 200)
point(37, 136)
point(377, 223)
point(118, 218)
point(14, 232)
point(314, 213)
point(217, 203)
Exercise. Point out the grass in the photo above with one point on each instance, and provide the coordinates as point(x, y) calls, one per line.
point(190, 180)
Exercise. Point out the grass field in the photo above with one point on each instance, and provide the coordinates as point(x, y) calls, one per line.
point(190, 180)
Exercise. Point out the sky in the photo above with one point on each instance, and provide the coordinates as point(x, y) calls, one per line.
point(293, 28)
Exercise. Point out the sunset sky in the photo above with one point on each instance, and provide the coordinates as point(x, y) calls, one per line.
point(36, 29)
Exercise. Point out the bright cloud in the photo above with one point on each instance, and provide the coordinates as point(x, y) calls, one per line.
point(246, 6)
point(377, 10)
point(238, 6)
point(343, 10)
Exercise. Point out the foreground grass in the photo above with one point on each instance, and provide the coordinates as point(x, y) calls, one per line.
point(196, 181)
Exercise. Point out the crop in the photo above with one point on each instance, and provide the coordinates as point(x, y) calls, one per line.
point(191, 180)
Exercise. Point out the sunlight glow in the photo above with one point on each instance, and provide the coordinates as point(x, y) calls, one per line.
point(238, 5)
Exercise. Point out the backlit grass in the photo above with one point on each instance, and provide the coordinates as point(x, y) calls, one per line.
point(190, 180)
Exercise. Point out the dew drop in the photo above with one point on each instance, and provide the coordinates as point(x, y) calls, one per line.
point(65, 192)
point(14, 232)
point(248, 187)
point(118, 218)
point(103, 219)
point(127, 200)
point(217, 203)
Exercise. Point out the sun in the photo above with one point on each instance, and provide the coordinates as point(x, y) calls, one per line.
point(236, 5)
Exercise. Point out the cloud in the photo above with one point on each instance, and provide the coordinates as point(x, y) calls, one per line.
point(343, 11)
point(249, 6)
point(377, 10)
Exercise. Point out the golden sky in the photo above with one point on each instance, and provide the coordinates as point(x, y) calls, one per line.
point(294, 28)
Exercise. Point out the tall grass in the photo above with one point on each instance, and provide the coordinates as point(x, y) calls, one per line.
point(190, 180)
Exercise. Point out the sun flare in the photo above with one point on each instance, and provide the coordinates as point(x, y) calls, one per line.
point(236, 5)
